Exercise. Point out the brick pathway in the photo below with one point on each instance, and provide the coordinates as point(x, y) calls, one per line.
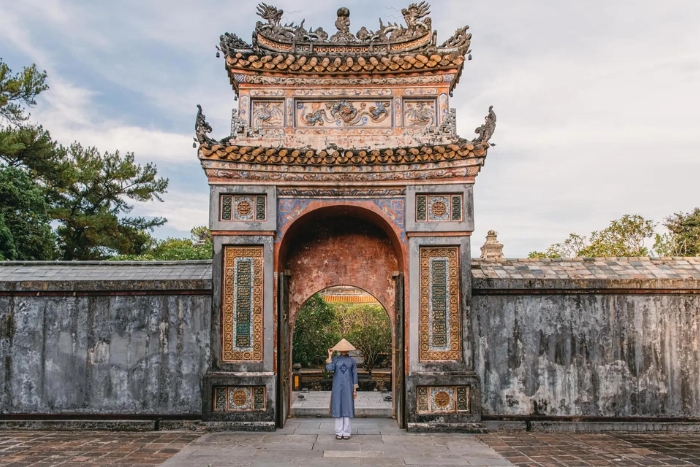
point(580, 449)
point(46, 448)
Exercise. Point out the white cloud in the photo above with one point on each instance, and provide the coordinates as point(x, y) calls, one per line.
point(595, 101)
point(184, 210)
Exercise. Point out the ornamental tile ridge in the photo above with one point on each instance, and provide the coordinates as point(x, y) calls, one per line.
point(272, 36)
point(348, 65)
point(459, 150)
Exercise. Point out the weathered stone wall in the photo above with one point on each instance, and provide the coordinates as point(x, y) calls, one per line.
point(598, 354)
point(104, 346)
point(103, 354)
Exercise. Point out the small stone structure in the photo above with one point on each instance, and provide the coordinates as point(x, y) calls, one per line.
point(492, 249)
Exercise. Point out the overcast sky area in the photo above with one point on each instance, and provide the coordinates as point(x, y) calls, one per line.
point(597, 101)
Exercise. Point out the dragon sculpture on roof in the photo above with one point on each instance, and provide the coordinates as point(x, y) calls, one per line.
point(416, 35)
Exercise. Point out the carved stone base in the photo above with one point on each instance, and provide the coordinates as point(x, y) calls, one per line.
point(246, 400)
point(443, 402)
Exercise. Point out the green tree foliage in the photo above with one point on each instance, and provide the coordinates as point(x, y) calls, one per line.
point(315, 331)
point(18, 91)
point(683, 237)
point(25, 233)
point(92, 202)
point(368, 328)
point(624, 237)
point(88, 193)
point(199, 246)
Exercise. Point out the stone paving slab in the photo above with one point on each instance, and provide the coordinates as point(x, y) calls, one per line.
point(391, 446)
point(47, 448)
point(312, 443)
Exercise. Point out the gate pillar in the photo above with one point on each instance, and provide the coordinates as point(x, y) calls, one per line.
point(363, 122)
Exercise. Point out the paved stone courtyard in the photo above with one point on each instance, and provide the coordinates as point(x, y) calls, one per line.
point(49, 448)
point(378, 442)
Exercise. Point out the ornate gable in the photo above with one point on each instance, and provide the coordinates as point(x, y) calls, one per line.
point(370, 106)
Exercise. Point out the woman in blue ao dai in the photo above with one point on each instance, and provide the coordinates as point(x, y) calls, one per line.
point(344, 392)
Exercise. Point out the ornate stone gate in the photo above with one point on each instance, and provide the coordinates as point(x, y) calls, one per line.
point(343, 166)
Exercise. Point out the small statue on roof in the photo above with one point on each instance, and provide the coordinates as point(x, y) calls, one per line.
point(343, 25)
point(201, 128)
point(485, 131)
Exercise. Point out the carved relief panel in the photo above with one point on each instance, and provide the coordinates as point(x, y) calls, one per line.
point(344, 113)
point(266, 113)
point(239, 399)
point(419, 113)
point(243, 208)
point(439, 334)
point(242, 304)
point(442, 399)
point(439, 208)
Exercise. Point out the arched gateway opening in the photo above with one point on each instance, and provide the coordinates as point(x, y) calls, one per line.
point(326, 317)
point(332, 246)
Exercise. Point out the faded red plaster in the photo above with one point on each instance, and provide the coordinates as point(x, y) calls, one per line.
point(334, 250)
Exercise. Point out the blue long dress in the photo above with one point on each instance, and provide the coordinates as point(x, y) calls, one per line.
point(344, 382)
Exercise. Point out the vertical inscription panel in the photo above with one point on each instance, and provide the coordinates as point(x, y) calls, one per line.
point(440, 323)
point(242, 330)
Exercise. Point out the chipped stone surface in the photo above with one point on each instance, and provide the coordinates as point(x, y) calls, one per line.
point(604, 354)
point(129, 343)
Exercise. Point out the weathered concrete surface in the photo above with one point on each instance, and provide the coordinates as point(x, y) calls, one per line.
point(114, 354)
point(573, 354)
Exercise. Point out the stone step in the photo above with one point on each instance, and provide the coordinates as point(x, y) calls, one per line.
point(318, 412)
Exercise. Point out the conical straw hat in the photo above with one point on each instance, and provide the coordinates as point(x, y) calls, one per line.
point(343, 346)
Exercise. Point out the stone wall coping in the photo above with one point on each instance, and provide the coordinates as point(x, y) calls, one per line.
point(587, 273)
point(672, 273)
point(105, 276)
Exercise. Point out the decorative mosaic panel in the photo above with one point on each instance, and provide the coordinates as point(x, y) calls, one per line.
point(456, 208)
point(438, 208)
point(242, 304)
point(440, 329)
point(239, 399)
point(442, 399)
point(243, 208)
point(267, 113)
point(419, 113)
point(344, 113)
point(421, 208)
point(226, 204)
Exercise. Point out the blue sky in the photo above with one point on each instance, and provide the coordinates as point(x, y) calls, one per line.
point(597, 101)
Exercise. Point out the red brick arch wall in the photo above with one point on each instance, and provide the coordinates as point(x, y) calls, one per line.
point(339, 247)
